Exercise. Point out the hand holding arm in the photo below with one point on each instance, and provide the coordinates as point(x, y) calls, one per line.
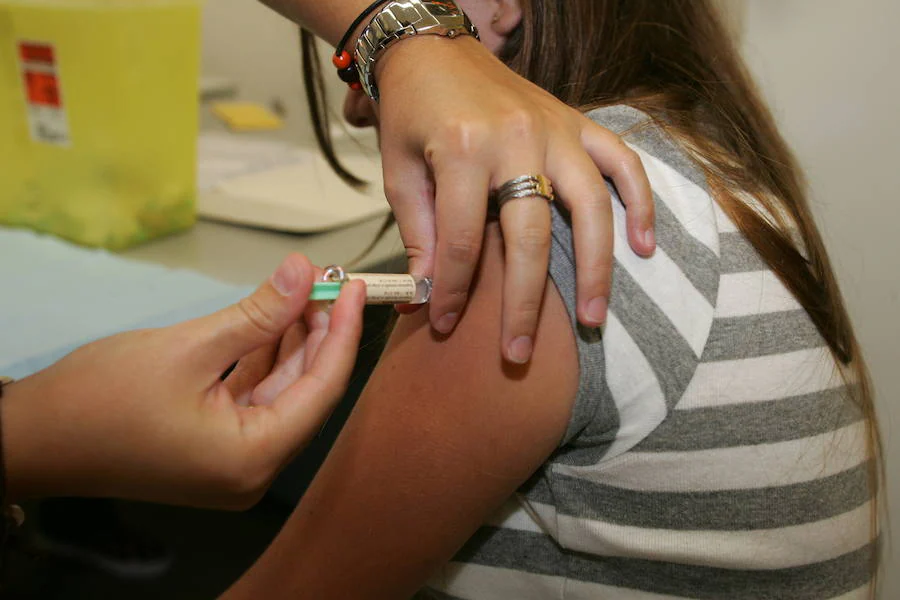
point(456, 123)
point(460, 124)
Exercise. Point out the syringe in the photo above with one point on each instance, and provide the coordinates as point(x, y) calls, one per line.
point(381, 288)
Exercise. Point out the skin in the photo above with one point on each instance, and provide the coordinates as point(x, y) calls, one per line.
point(144, 414)
point(476, 125)
point(444, 434)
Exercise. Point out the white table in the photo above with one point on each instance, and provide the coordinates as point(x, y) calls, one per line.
point(245, 255)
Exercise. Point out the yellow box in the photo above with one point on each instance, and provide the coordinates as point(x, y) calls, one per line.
point(98, 117)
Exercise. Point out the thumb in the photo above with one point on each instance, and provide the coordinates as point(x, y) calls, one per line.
point(261, 318)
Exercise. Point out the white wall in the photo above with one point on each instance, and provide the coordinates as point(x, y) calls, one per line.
point(828, 68)
point(245, 41)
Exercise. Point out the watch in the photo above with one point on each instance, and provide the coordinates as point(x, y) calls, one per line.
point(400, 19)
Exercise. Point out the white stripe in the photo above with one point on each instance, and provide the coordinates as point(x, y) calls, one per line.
point(513, 516)
point(39, 67)
point(780, 548)
point(667, 286)
point(634, 388)
point(723, 221)
point(762, 378)
point(757, 292)
point(743, 467)
point(495, 583)
point(690, 204)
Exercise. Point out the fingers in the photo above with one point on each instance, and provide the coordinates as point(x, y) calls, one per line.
point(461, 210)
point(623, 165)
point(526, 233)
point(257, 320)
point(296, 353)
point(249, 372)
point(581, 187)
point(525, 223)
point(318, 322)
point(303, 407)
point(410, 192)
point(284, 370)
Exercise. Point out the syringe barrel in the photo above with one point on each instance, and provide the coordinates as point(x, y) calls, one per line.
point(387, 288)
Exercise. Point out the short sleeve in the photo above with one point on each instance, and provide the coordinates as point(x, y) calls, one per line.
point(635, 368)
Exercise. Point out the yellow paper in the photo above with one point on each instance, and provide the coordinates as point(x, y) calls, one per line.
point(103, 152)
point(246, 116)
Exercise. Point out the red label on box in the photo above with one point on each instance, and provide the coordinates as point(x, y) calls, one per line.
point(42, 88)
point(47, 118)
point(39, 53)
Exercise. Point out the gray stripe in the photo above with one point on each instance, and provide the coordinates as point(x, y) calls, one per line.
point(725, 510)
point(669, 354)
point(515, 549)
point(639, 130)
point(698, 263)
point(738, 254)
point(593, 404)
point(733, 338)
point(537, 488)
point(535, 553)
point(769, 422)
point(619, 118)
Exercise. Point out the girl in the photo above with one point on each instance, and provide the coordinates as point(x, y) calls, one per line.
point(716, 439)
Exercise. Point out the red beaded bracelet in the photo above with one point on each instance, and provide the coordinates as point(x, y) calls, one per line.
point(343, 61)
point(346, 68)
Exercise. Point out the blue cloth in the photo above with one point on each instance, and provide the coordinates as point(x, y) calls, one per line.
point(56, 297)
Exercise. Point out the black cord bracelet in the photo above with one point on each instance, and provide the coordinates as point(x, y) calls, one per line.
point(343, 60)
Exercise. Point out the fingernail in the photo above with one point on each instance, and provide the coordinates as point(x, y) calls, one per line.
point(520, 350)
point(649, 238)
point(320, 318)
point(286, 279)
point(445, 324)
point(596, 310)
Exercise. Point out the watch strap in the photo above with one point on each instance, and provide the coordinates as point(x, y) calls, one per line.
point(400, 19)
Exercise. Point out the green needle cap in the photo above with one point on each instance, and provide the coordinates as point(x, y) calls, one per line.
point(325, 290)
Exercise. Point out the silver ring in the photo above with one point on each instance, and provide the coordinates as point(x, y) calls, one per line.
point(335, 273)
point(526, 186)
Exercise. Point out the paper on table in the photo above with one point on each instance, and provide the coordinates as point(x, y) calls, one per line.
point(280, 186)
point(222, 156)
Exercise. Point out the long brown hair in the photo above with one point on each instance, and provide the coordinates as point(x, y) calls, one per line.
point(675, 60)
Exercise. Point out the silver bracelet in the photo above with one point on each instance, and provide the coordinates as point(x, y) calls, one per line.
point(401, 19)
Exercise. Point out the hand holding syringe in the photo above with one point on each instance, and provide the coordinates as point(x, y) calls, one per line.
point(381, 288)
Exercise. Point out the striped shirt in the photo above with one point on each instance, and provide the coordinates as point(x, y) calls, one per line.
point(712, 452)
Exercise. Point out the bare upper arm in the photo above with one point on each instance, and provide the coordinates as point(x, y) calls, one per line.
point(444, 433)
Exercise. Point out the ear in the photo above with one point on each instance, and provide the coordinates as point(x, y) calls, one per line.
point(506, 16)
